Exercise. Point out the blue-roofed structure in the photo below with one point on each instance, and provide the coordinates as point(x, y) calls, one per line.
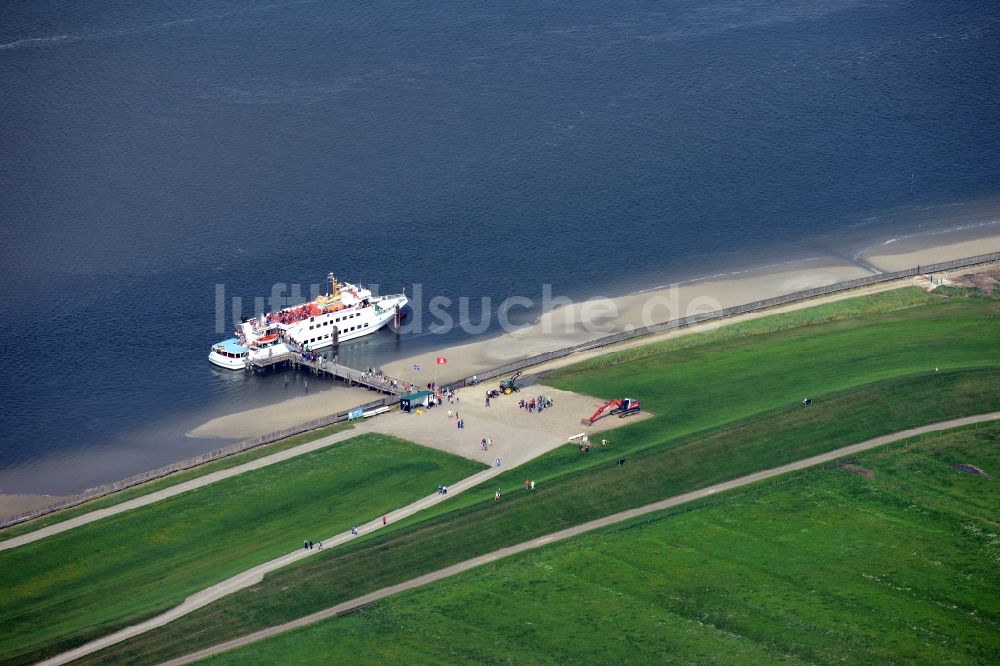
point(232, 345)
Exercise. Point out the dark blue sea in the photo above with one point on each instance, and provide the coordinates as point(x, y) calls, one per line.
point(150, 151)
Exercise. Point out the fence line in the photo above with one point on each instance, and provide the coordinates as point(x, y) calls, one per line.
point(239, 447)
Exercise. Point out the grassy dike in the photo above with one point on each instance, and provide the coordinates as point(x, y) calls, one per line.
point(172, 480)
point(893, 562)
point(726, 404)
point(89, 581)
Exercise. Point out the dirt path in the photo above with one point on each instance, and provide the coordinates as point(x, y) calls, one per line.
point(254, 575)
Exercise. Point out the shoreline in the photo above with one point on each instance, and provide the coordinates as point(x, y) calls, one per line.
point(587, 320)
point(474, 353)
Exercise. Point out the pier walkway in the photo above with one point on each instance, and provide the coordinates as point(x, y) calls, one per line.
point(373, 381)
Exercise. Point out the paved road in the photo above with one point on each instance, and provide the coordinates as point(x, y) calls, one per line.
point(254, 575)
point(175, 490)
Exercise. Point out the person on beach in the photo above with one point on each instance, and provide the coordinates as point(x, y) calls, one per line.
point(489, 443)
point(449, 413)
point(498, 462)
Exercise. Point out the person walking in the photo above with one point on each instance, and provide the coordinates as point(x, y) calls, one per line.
point(498, 462)
point(354, 530)
point(385, 520)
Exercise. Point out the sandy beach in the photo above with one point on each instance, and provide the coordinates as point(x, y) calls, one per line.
point(909, 252)
point(11, 505)
point(285, 414)
point(580, 322)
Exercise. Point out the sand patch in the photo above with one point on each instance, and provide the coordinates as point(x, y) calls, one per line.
point(517, 435)
point(12, 505)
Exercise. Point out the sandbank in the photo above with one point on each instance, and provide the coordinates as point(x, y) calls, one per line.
point(903, 253)
point(12, 505)
point(581, 322)
point(285, 414)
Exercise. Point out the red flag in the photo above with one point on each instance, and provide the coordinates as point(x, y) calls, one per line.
point(441, 360)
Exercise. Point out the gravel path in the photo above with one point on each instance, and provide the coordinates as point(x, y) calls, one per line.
point(175, 490)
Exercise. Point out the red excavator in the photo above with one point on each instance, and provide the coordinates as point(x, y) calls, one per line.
point(624, 407)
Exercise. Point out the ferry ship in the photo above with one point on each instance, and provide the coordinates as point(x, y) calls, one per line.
point(349, 311)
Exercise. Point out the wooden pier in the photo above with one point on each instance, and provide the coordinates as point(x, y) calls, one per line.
point(321, 366)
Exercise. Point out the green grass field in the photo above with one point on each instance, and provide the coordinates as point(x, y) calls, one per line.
point(172, 480)
point(83, 583)
point(725, 404)
point(821, 566)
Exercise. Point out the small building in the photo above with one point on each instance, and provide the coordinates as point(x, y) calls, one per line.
point(419, 399)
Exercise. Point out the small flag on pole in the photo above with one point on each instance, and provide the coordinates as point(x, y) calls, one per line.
point(441, 360)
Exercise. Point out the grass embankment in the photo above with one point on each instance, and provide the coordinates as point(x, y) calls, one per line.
point(172, 480)
point(724, 407)
point(84, 583)
point(822, 566)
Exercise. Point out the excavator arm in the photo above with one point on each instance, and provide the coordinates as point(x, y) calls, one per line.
point(613, 404)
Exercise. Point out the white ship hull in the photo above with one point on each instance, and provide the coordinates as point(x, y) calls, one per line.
point(332, 328)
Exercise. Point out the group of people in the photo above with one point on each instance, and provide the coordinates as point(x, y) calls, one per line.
point(535, 404)
point(294, 315)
